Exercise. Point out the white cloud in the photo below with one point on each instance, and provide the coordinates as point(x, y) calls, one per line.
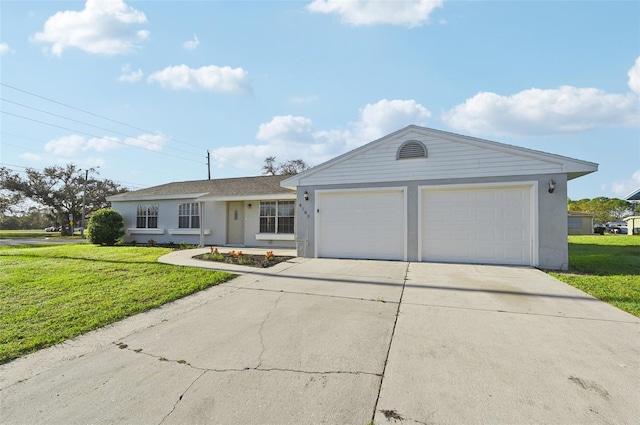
point(209, 78)
point(150, 142)
point(547, 111)
point(102, 27)
point(191, 44)
point(5, 49)
point(77, 146)
point(536, 111)
point(292, 137)
point(286, 129)
point(130, 76)
point(634, 77)
point(409, 13)
point(386, 116)
point(621, 188)
point(30, 157)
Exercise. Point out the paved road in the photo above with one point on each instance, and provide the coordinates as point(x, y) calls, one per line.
point(344, 342)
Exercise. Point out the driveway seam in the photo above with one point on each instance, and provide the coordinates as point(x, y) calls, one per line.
point(393, 332)
point(631, 322)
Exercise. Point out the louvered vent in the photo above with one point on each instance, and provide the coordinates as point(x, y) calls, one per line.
point(412, 149)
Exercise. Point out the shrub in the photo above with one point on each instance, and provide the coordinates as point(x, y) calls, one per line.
point(105, 227)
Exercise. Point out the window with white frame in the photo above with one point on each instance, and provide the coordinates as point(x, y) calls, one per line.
point(189, 215)
point(147, 217)
point(277, 216)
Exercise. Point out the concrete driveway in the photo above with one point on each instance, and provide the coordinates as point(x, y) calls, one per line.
point(347, 342)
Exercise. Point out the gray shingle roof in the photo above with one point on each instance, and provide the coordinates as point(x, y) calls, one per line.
point(241, 186)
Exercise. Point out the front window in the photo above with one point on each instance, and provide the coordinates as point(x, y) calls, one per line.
point(147, 217)
point(189, 216)
point(277, 216)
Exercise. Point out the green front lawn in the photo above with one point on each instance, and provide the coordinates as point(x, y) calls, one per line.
point(607, 267)
point(52, 293)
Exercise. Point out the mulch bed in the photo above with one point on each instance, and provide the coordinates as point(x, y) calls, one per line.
point(239, 258)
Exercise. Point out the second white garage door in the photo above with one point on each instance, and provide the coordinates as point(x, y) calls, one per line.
point(361, 224)
point(486, 225)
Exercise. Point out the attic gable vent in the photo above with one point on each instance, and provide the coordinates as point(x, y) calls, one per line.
point(412, 149)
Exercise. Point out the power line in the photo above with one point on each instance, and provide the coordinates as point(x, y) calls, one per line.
point(112, 120)
point(95, 115)
point(24, 168)
point(98, 137)
point(98, 127)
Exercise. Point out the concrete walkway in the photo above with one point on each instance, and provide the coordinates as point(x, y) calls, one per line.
point(315, 341)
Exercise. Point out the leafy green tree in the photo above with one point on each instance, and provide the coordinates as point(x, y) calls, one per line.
point(105, 227)
point(60, 189)
point(8, 200)
point(603, 209)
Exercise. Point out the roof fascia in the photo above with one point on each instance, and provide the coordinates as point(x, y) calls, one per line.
point(116, 198)
point(267, 197)
point(633, 196)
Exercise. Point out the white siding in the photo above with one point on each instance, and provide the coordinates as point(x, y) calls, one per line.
point(446, 159)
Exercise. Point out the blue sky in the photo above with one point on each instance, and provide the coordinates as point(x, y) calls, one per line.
point(143, 89)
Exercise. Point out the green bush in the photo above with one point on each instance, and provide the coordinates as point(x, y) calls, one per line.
point(105, 227)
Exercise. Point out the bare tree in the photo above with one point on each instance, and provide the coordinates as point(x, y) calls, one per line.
point(270, 167)
point(291, 167)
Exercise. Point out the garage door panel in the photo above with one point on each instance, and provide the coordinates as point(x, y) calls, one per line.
point(481, 225)
point(367, 224)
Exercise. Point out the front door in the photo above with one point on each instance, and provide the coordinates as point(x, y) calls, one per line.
point(235, 223)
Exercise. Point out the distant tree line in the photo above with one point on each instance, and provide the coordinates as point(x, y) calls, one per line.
point(51, 195)
point(604, 209)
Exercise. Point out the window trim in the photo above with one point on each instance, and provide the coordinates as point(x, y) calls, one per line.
point(276, 217)
point(189, 215)
point(150, 213)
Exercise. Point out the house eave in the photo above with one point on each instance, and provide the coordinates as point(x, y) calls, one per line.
point(266, 197)
point(120, 198)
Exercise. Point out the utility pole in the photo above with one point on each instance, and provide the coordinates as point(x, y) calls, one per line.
point(209, 164)
point(84, 200)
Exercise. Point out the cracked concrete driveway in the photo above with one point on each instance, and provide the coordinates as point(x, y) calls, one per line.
point(346, 342)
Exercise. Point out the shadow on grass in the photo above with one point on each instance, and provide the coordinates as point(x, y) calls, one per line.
point(604, 260)
point(49, 256)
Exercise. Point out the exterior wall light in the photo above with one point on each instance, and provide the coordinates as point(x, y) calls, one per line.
point(306, 195)
point(552, 186)
point(249, 206)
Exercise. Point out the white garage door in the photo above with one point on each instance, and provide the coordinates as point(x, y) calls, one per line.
point(490, 225)
point(361, 224)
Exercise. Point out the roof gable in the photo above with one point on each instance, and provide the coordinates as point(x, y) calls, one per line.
point(633, 196)
point(242, 187)
point(449, 156)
